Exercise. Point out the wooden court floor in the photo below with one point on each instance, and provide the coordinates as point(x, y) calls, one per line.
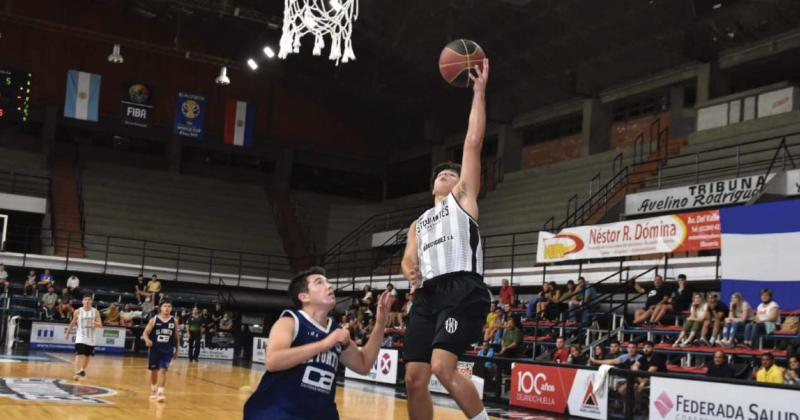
point(205, 390)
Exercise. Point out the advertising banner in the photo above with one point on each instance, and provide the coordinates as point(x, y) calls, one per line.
point(259, 349)
point(678, 399)
point(464, 368)
point(584, 400)
point(545, 388)
point(384, 370)
point(664, 234)
point(709, 194)
point(50, 335)
point(190, 112)
point(219, 353)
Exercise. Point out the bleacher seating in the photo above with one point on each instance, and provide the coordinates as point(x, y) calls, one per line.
point(181, 209)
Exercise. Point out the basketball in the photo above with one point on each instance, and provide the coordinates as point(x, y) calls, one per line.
point(457, 58)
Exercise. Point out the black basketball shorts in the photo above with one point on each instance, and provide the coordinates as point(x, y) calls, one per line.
point(447, 313)
point(84, 349)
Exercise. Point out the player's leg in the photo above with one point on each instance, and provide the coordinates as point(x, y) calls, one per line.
point(445, 366)
point(89, 352)
point(162, 383)
point(417, 354)
point(153, 367)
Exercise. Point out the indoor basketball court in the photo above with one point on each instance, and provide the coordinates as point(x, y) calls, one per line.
point(411, 210)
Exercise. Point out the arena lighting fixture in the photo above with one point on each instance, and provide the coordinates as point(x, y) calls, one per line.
point(223, 79)
point(252, 63)
point(269, 52)
point(115, 56)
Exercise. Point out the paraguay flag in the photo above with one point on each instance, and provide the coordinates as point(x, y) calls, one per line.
point(83, 95)
point(761, 249)
point(240, 117)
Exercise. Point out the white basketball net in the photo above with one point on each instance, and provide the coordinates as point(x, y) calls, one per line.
point(319, 18)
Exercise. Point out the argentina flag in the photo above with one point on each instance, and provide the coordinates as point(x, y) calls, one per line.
point(83, 95)
point(761, 249)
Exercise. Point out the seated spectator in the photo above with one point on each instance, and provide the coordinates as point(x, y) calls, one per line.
point(140, 289)
point(209, 328)
point(226, 323)
point(553, 308)
point(720, 368)
point(614, 350)
point(649, 362)
point(45, 280)
point(531, 306)
point(717, 312)
point(29, 288)
point(507, 294)
point(792, 374)
point(407, 305)
point(624, 361)
point(356, 332)
point(148, 307)
point(598, 353)
point(367, 292)
point(576, 356)
point(154, 289)
point(112, 315)
point(488, 352)
point(738, 314)
point(5, 285)
point(766, 318)
point(396, 309)
point(512, 338)
point(769, 372)
point(571, 301)
point(73, 284)
point(544, 300)
point(682, 297)
point(489, 328)
point(658, 302)
point(126, 316)
point(561, 353)
point(65, 308)
point(587, 295)
point(49, 301)
point(697, 315)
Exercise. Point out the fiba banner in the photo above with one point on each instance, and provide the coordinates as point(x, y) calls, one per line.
point(259, 349)
point(219, 353)
point(540, 387)
point(384, 370)
point(465, 369)
point(709, 194)
point(50, 335)
point(656, 235)
point(678, 399)
point(137, 104)
point(190, 114)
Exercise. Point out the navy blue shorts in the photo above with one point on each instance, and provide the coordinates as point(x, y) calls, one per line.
point(159, 358)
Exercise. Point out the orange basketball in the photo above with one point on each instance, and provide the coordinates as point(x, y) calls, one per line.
point(456, 60)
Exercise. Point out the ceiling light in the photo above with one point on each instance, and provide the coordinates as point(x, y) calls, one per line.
point(269, 52)
point(115, 56)
point(223, 78)
point(252, 63)
point(716, 6)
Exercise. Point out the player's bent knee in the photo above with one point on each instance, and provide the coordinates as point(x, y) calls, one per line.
point(416, 381)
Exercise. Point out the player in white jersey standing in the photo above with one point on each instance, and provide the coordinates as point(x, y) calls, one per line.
point(444, 261)
point(87, 320)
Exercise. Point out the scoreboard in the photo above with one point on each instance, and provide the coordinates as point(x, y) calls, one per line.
point(15, 95)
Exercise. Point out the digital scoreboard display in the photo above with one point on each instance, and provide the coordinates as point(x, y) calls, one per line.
point(15, 95)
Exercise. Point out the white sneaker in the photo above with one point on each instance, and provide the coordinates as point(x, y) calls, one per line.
point(676, 343)
point(684, 343)
point(712, 341)
point(153, 393)
point(160, 396)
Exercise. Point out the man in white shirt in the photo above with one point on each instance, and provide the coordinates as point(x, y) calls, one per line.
point(73, 282)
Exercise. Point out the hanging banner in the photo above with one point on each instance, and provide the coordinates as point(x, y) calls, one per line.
point(137, 104)
point(686, 232)
point(190, 114)
point(709, 194)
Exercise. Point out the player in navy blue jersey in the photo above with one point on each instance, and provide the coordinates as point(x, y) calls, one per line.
point(161, 337)
point(303, 354)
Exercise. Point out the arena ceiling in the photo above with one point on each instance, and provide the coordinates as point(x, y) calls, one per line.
point(542, 51)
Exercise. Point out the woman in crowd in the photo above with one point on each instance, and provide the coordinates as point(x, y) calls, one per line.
point(112, 315)
point(738, 314)
point(697, 315)
point(576, 356)
point(126, 316)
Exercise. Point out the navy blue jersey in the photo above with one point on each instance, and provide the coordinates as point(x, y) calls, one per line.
point(163, 334)
point(304, 391)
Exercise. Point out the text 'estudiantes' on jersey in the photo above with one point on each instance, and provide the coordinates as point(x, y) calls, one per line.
point(448, 241)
